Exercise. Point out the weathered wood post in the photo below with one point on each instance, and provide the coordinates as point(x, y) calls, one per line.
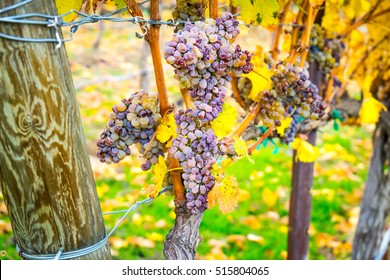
point(375, 206)
point(45, 174)
point(300, 200)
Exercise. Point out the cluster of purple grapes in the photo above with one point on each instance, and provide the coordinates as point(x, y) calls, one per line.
point(326, 52)
point(197, 150)
point(244, 86)
point(134, 120)
point(203, 56)
point(271, 108)
point(289, 132)
point(189, 10)
point(293, 88)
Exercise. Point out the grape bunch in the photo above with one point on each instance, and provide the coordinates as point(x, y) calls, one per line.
point(293, 88)
point(197, 150)
point(244, 86)
point(203, 56)
point(289, 132)
point(326, 52)
point(192, 10)
point(271, 108)
point(132, 121)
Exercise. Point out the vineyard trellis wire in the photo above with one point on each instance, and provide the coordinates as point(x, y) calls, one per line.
point(57, 21)
point(61, 255)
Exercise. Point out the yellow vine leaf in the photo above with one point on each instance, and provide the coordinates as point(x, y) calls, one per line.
point(226, 194)
point(225, 121)
point(166, 130)
point(370, 110)
point(241, 148)
point(159, 171)
point(65, 6)
point(261, 76)
point(316, 2)
point(357, 8)
point(285, 123)
point(258, 12)
point(306, 152)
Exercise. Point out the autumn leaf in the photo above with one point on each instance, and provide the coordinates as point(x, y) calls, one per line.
point(251, 221)
point(255, 238)
point(285, 123)
point(225, 121)
point(166, 130)
point(269, 198)
point(260, 77)
point(306, 152)
point(159, 171)
point(241, 148)
point(316, 2)
point(65, 6)
point(226, 194)
point(370, 110)
point(258, 12)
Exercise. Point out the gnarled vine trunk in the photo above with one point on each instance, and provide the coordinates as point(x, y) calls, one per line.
point(184, 237)
point(45, 174)
point(376, 200)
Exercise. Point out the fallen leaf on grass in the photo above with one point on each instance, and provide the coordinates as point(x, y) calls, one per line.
point(237, 239)
point(255, 238)
point(140, 242)
point(251, 222)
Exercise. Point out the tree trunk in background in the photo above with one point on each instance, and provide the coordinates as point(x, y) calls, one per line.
point(376, 200)
point(45, 174)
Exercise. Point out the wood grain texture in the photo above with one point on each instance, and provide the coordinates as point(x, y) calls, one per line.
point(45, 174)
point(375, 206)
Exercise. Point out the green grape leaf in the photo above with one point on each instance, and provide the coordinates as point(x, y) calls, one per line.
point(258, 12)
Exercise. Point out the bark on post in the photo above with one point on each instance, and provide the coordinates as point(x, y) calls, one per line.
point(300, 199)
point(300, 206)
point(45, 174)
point(375, 205)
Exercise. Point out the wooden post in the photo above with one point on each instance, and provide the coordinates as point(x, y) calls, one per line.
point(300, 199)
point(375, 206)
point(300, 206)
point(45, 174)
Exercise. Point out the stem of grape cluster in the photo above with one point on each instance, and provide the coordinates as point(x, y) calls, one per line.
point(236, 92)
point(369, 16)
point(213, 7)
point(278, 32)
point(259, 141)
point(187, 98)
point(153, 38)
point(298, 20)
point(329, 90)
point(306, 35)
point(245, 122)
point(305, 39)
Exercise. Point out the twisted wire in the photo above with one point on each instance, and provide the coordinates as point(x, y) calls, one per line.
point(60, 255)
